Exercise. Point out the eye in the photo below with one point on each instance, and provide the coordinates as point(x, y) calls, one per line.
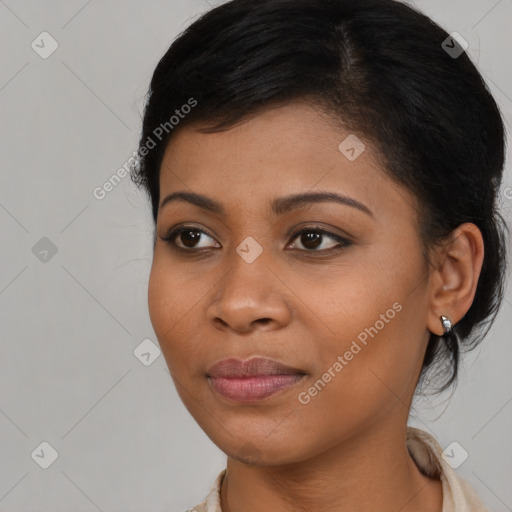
point(189, 236)
point(313, 240)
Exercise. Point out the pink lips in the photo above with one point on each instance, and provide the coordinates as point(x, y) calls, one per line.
point(253, 379)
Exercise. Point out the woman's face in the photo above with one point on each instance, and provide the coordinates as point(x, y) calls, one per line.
point(345, 312)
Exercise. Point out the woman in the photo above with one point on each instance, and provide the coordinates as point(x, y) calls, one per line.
point(323, 178)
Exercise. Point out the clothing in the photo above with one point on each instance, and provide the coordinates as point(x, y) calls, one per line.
point(458, 495)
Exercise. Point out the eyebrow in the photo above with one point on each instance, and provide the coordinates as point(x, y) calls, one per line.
point(278, 206)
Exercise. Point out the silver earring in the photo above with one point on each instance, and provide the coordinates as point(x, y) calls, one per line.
point(447, 324)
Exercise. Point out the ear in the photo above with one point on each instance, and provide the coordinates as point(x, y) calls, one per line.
point(454, 278)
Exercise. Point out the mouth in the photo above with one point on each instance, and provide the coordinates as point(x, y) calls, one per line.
point(253, 379)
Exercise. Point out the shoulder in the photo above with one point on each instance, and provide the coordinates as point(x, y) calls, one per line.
point(433, 461)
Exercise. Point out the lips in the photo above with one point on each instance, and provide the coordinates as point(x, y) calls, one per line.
point(256, 366)
point(252, 379)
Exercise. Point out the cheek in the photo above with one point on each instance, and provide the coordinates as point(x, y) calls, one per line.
point(360, 383)
point(168, 305)
point(375, 316)
point(160, 298)
point(176, 302)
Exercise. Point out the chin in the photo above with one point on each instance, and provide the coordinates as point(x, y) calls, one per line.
point(257, 446)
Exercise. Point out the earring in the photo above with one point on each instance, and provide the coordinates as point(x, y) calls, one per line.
point(447, 324)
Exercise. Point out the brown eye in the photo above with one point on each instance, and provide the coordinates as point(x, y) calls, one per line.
point(189, 238)
point(313, 239)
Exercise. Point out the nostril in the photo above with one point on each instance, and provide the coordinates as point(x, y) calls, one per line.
point(222, 322)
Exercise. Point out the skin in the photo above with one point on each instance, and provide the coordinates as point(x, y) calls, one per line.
point(345, 449)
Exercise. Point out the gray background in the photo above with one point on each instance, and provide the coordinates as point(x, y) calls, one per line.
point(72, 320)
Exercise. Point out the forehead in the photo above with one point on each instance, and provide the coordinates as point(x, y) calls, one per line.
point(284, 150)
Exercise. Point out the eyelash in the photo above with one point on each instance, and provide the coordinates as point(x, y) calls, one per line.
point(174, 233)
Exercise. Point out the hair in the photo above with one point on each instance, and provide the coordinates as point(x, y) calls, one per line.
point(380, 69)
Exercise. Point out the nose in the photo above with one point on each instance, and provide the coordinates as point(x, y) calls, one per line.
point(250, 296)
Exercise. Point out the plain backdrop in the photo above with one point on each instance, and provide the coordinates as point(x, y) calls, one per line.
point(74, 271)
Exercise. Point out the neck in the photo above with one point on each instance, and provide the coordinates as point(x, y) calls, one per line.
point(370, 471)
